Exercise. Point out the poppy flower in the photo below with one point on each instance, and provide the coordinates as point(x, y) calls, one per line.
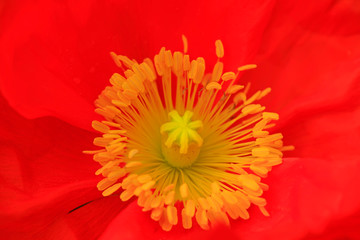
point(55, 62)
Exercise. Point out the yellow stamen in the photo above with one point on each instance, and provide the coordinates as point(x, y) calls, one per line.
point(217, 72)
point(184, 190)
point(228, 76)
point(213, 85)
point(116, 59)
point(234, 88)
point(111, 189)
point(247, 67)
point(101, 127)
point(184, 142)
point(185, 42)
point(219, 49)
point(132, 153)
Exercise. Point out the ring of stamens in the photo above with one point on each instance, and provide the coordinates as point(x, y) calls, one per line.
point(200, 151)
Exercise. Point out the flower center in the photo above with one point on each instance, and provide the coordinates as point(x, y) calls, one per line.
point(186, 143)
point(182, 144)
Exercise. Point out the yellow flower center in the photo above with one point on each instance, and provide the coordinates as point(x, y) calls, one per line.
point(182, 145)
point(186, 143)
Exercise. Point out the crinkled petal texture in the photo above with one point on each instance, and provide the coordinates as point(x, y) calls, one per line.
point(61, 55)
point(44, 176)
point(311, 60)
point(312, 66)
point(54, 61)
point(305, 195)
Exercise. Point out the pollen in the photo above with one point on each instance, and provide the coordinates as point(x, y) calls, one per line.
point(190, 146)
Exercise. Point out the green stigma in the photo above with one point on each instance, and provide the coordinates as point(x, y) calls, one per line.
point(182, 144)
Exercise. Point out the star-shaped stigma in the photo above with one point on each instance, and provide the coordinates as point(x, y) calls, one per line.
point(182, 130)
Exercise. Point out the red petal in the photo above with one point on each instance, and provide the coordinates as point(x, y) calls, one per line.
point(346, 228)
point(330, 133)
point(44, 147)
point(43, 173)
point(304, 196)
point(90, 221)
point(310, 56)
point(56, 61)
point(29, 215)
